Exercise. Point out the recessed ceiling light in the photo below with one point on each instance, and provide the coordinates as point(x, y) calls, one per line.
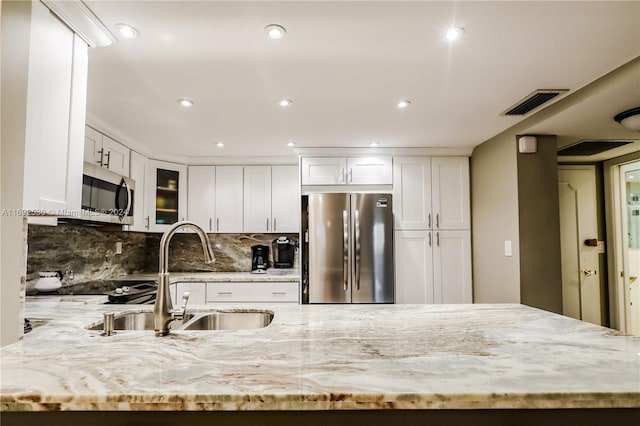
point(127, 31)
point(220, 145)
point(403, 104)
point(454, 33)
point(285, 102)
point(291, 144)
point(275, 31)
point(186, 103)
point(374, 143)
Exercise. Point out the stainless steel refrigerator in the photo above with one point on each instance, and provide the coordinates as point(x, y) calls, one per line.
point(348, 243)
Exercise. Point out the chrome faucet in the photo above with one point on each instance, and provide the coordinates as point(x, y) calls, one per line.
point(163, 312)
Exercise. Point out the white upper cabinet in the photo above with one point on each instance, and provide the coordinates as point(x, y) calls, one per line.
point(369, 170)
point(271, 199)
point(412, 192)
point(55, 115)
point(228, 199)
point(105, 152)
point(372, 170)
point(285, 199)
point(201, 196)
point(139, 172)
point(257, 199)
point(431, 193)
point(450, 193)
point(323, 170)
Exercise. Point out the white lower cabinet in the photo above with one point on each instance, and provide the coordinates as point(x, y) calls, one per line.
point(252, 292)
point(201, 293)
point(433, 267)
point(452, 267)
point(197, 293)
point(414, 267)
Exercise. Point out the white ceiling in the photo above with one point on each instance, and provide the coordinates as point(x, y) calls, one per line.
point(345, 65)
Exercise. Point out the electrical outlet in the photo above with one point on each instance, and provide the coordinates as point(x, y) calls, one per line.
point(119, 247)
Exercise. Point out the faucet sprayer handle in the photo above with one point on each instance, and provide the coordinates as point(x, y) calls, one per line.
point(185, 299)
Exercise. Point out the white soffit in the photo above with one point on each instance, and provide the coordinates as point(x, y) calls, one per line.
point(82, 21)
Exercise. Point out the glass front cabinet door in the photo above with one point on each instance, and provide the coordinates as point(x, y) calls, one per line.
point(169, 194)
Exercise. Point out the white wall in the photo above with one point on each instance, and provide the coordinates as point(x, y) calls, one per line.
point(494, 207)
point(15, 57)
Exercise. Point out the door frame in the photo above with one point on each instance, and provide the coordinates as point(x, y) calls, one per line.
point(615, 240)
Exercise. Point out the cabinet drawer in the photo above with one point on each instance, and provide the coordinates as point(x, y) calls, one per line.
point(252, 292)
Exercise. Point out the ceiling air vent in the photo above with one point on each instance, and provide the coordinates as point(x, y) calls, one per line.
point(584, 148)
point(533, 101)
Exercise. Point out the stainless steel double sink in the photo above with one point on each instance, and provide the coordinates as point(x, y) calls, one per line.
point(209, 320)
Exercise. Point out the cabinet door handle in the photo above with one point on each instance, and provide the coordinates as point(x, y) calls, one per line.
point(278, 293)
point(429, 239)
point(341, 176)
point(108, 159)
point(210, 220)
point(437, 220)
point(101, 152)
point(225, 293)
point(428, 220)
point(274, 224)
point(350, 175)
point(267, 224)
point(146, 222)
point(217, 224)
point(438, 239)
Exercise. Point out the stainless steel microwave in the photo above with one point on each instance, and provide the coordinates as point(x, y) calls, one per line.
point(106, 196)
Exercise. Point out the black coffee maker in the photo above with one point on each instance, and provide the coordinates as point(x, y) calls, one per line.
point(284, 251)
point(259, 259)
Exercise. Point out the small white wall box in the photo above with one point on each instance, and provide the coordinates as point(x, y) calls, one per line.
point(527, 144)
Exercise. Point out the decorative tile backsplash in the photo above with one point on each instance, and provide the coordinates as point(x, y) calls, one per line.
point(91, 252)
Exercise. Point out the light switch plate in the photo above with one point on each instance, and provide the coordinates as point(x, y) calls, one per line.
point(507, 248)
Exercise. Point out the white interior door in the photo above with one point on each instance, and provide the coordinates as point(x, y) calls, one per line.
point(630, 187)
point(578, 223)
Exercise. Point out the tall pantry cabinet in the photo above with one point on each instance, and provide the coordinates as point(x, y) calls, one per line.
point(432, 229)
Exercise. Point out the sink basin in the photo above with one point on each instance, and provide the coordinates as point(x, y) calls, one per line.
point(215, 320)
point(229, 321)
point(138, 321)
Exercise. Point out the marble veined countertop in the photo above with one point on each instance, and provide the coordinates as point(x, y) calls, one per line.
point(272, 275)
point(331, 357)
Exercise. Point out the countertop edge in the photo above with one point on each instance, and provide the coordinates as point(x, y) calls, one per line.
point(334, 401)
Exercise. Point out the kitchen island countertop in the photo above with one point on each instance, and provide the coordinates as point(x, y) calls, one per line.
point(329, 357)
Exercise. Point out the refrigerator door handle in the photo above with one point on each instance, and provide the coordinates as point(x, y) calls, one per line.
point(357, 244)
point(345, 249)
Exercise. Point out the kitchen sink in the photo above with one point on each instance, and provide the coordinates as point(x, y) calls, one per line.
point(138, 321)
point(229, 321)
point(212, 320)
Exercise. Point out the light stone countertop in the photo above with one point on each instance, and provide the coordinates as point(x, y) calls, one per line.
point(324, 357)
point(272, 275)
